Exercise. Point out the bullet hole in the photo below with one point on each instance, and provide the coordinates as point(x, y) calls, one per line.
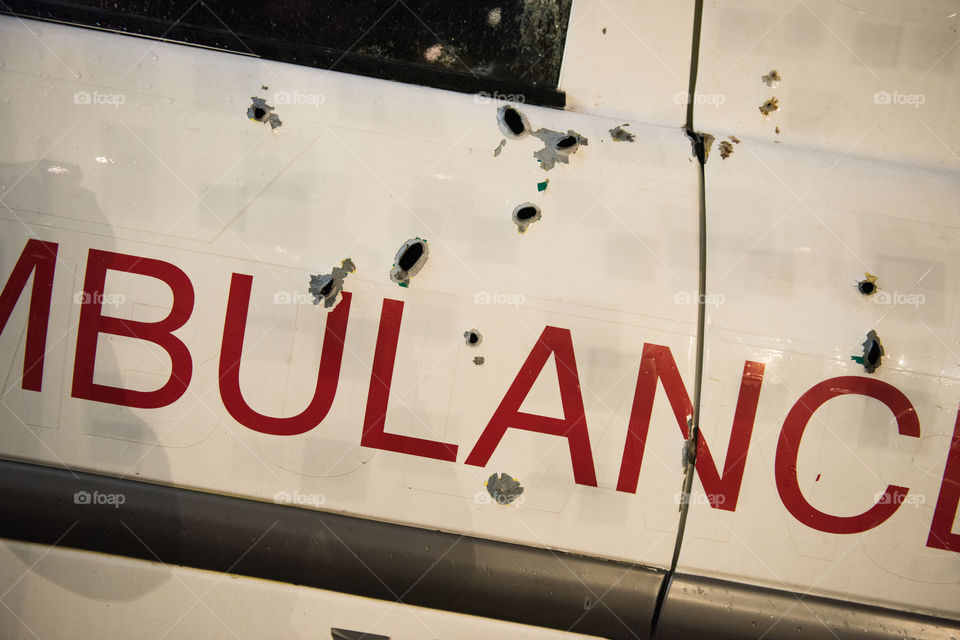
point(511, 117)
point(326, 288)
point(260, 111)
point(771, 79)
point(619, 134)
point(524, 215)
point(557, 147)
point(872, 353)
point(478, 360)
point(512, 123)
point(726, 149)
point(472, 337)
point(409, 257)
point(409, 261)
point(587, 603)
point(867, 286)
point(503, 489)
point(769, 107)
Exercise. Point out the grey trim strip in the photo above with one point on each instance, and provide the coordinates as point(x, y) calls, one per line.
point(329, 551)
point(697, 606)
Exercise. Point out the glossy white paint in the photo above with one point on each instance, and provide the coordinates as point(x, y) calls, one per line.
point(629, 60)
point(188, 179)
point(49, 590)
point(794, 221)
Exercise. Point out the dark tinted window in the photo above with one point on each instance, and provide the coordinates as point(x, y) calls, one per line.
point(508, 46)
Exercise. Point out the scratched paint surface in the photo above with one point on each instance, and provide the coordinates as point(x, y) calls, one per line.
point(612, 261)
point(848, 185)
point(236, 216)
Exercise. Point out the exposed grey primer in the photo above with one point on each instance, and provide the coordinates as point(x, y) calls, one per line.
point(478, 360)
point(402, 276)
point(503, 489)
point(523, 223)
point(872, 352)
point(505, 128)
point(500, 147)
point(267, 114)
point(551, 154)
point(772, 79)
point(472, 337)
point(347, 634)
point(326, 288)
point(619, 134)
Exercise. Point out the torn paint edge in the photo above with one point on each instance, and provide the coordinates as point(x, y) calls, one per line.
point(401, 276)
point(333, 282)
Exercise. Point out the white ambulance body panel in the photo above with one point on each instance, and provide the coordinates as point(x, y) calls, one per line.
point(837, 183)
point(207, 190)
point(142, 148)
